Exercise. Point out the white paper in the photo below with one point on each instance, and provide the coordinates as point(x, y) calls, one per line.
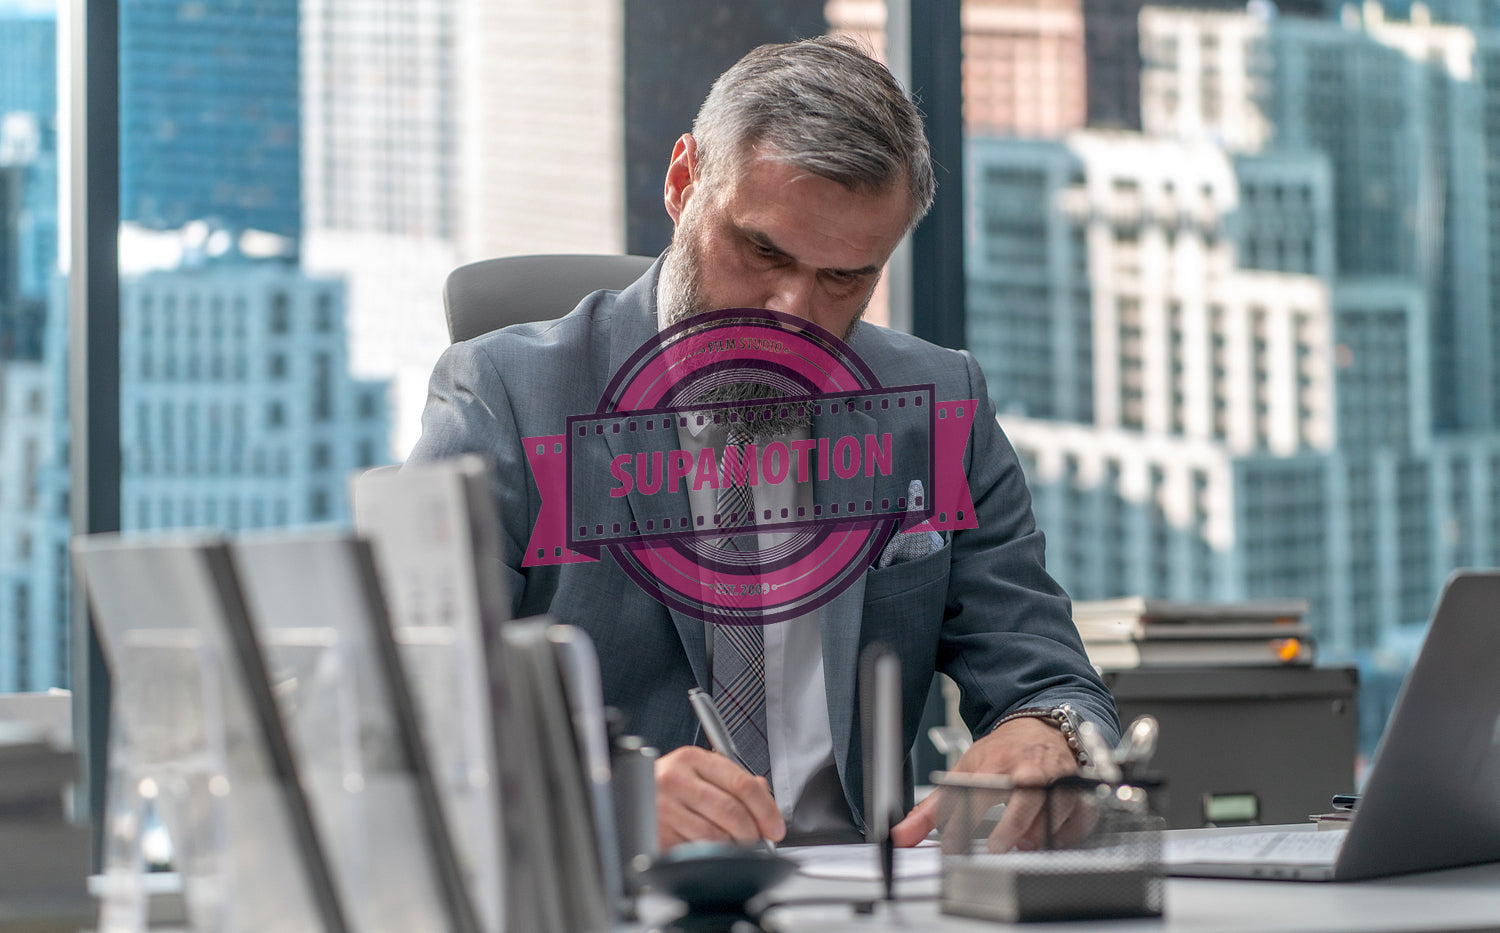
point(1295, 848)
point(861, 861)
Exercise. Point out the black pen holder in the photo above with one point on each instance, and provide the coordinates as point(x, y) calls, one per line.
point(1075, 849)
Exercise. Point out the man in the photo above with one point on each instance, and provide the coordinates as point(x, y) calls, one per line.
point(806, 166)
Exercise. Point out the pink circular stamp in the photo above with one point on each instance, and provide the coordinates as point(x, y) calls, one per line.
point(818, 497)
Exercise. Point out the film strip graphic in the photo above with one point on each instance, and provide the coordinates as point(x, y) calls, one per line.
point(618, 479)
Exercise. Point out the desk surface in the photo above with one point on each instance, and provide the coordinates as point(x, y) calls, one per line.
point(1458, 899)
point(1452, 900)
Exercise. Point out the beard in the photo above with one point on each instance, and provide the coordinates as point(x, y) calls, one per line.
point(681, 295)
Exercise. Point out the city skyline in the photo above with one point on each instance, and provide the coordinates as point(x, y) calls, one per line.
point(238, 410)
point(1252, 336)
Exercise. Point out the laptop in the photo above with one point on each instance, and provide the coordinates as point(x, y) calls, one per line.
point(1432, 799)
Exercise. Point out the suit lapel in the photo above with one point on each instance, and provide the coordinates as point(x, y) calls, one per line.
point(841, 644)
point(846, 629)
point(633, 324)
point(843, 620)
point(651, 513)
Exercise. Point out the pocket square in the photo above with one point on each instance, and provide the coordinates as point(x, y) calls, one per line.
point(910, 545)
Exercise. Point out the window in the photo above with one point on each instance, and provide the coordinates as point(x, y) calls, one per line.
point(323, 313)
point(280, 319)
point(322, 388)
point(300, 181)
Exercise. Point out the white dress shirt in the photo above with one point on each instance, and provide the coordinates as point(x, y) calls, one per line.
point(803, 774)
point(804, 777)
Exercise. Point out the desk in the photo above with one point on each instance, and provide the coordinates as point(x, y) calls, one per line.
point(1457, 899)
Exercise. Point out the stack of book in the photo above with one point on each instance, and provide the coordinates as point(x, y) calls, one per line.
point(1134, 631)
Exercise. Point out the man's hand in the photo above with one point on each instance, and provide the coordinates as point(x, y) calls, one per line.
point(701, 795)
point(1033, 753)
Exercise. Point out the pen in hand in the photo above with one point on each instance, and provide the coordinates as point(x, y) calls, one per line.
point(718, 733)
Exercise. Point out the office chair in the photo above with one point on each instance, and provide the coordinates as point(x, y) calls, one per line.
point(492, 293)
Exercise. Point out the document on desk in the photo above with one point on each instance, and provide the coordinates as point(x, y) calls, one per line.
point(1290, 848)
point(861, 861)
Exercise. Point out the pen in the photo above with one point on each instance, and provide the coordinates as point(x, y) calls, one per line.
point(888, 859)
point(718, 733)
point(880, 692)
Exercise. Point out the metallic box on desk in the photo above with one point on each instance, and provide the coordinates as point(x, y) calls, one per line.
point(1246, 744)
point(1104, 860)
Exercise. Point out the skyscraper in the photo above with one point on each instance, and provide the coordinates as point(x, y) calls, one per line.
point(1023, 61)
point(1196, 428)
point(1113, 49)
point(33, 594)
point(28, 159)
point(1108, 288)
point(35, 590)
point(237, 407)
point(1398, 109)
point(209, 115)
point(28, 61)
point(1251, 353)
point(387, 164)
point(1473, 13)
point(34, 638)
point(12, 325)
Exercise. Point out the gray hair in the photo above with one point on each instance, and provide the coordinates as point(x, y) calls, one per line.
point(823, 106)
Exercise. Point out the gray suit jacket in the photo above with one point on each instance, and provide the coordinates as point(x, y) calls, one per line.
point(982, 609)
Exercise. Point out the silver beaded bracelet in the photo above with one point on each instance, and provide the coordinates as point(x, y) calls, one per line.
point(1063, 716)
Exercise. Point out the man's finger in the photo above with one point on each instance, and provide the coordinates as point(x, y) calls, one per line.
point(750, 796)
point(680, 824)
point(703, 795)
point(725, 811)
point(918, 823)
point(755, 794)
point(1082, 818)
point(1020, 823)
point(1062, 803)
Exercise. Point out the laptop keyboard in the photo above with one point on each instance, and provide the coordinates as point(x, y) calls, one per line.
point(1317, 847)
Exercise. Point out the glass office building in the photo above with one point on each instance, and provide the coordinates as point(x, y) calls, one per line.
point(238, 411)
point(28, 178)
point(268, 419)
point(209, 114)
point(1255, 343)
point(34, 634)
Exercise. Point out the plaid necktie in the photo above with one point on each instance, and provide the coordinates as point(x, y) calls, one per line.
point(735, 509)
point(739, 675)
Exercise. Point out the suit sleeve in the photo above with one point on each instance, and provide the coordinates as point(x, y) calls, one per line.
point(469, 411)
point(1008, 638)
